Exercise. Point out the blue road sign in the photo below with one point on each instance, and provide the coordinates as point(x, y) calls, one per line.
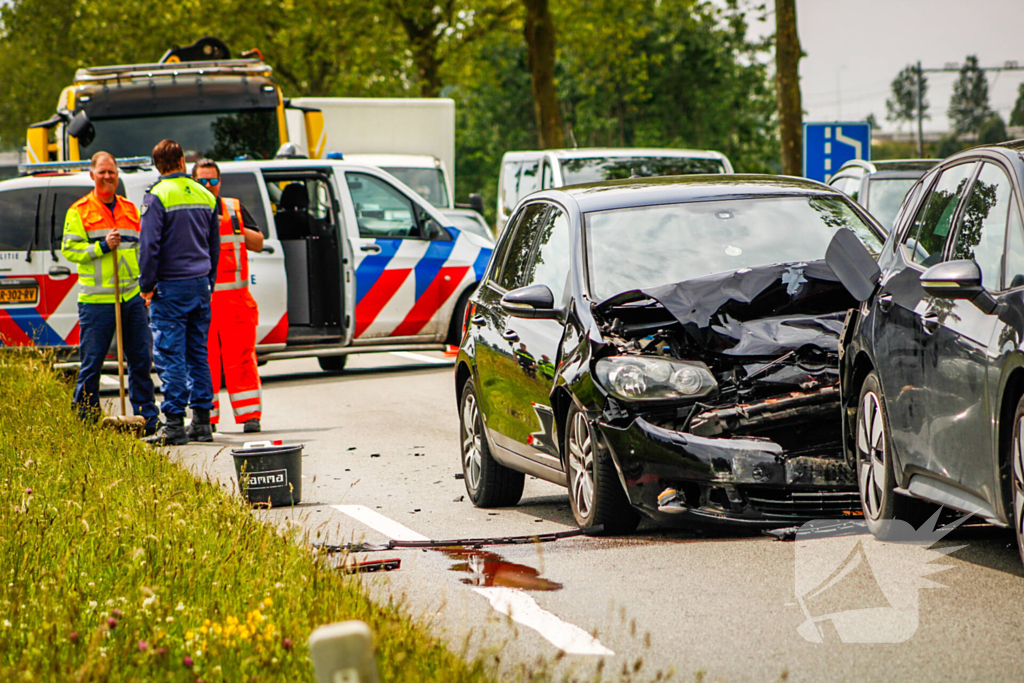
point(827, 146)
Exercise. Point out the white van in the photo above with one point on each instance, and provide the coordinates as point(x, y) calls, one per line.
point(523, 173)
point(353, 260)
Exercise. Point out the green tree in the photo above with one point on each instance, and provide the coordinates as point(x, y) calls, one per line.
point(1017, 115)
point(901, 107)
point(992, 131)
point(968, 105)
point(436, 32)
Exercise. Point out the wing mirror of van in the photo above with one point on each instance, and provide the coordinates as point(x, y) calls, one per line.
point(958, 280)
point(853, 264)
point(476, 202)
point(81, 127)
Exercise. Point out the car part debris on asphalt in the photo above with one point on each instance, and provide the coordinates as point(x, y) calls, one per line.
point(464, 542)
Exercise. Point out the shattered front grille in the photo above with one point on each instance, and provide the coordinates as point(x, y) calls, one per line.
point(803, 504)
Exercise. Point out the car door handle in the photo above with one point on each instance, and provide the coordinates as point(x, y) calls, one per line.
point(267, 250)
point(885, 302)
point(57, 271)
point(511, 336)
point(930, 322)
point(478, 319)
point(372, 248)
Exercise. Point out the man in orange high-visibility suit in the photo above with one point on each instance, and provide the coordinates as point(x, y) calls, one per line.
point(234, 315)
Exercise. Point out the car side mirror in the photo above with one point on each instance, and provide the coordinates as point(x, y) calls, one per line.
point(533, 301)
point(476, 202)
point(853, 264)
point(958, 280)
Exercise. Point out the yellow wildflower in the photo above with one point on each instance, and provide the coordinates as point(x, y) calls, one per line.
point(189, 635)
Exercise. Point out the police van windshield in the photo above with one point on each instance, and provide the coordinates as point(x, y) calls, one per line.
point(426, 182)
point(217, 135)
point(579, 171)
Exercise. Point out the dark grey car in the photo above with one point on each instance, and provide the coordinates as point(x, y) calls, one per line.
point(933, 359)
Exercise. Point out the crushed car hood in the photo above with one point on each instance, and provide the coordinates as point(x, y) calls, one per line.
point(760, 311)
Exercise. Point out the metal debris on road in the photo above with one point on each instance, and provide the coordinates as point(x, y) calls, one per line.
point(463, 542)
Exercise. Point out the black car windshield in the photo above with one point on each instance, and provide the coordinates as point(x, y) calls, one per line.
point(217, 135)
point(579, 171)
point(885, 197)
point(643, 247)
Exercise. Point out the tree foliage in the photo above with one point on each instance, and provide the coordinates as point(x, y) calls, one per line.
point(654, 73)
point(968, 105)
point(901, 106)
point(1017, 115)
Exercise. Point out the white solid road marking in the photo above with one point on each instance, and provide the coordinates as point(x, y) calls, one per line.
point(420, 358)
point(513, 602)
point(521, 607)
point(379, 522)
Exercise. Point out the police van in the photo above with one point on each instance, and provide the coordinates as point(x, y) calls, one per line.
point(353, 260)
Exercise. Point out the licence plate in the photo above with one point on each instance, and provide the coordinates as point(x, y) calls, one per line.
point(18, 295)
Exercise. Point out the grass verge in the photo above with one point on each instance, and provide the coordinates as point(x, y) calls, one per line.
point(117, 565)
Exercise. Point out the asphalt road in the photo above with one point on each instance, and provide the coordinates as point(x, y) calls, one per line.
point(381, 447)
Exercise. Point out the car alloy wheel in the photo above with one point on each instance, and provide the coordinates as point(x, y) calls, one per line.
point(581, 465)
point(488, 482)
point(876, 471)
point(471, 439)
point(596, 495)
point(1017, 455)
point(871, 454)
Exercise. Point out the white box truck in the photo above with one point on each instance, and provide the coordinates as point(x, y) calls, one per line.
point(413, 139)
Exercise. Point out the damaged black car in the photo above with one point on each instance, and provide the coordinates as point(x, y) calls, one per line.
point(665, 347)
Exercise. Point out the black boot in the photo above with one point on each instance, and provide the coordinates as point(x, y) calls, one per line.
point(200, 429)
point(252, 425)
point(171, 434)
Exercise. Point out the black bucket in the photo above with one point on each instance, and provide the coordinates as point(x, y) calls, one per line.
point(269, 473)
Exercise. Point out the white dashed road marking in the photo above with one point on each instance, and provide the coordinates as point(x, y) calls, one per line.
point(379, 522)
point(513, 602)
point(420, 358)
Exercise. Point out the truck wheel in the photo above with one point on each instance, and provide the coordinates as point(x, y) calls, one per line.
point(488, 483)
point(876, 472)
point(332, 363)
point(595, 492)
point(458, 316)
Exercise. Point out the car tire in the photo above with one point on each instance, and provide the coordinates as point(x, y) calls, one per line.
point(488, 483)
point(876, 474)
point(332, 363)
point(458, 317)
point(595, 492)
point(1017, 469)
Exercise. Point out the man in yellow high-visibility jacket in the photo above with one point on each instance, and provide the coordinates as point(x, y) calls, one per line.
point(94, 226)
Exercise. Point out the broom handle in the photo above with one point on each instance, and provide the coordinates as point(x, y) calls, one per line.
point(117, 320)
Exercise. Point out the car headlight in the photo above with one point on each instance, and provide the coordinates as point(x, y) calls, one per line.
point(644, 378)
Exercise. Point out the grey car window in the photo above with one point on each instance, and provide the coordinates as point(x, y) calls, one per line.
point(381, 210)
point(514, 272)
point(551, 265)
point(983, 224)
point(1015, 250)
point(927, 237)
point(529, 180)
point(509, 183)
point(885, 197)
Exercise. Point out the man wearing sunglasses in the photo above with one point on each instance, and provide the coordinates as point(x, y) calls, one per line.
point(234, 315)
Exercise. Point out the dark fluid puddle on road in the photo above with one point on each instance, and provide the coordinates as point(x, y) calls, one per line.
point(485, 568)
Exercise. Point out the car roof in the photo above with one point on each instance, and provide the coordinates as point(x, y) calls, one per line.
point(403, 160)
point(860, 167)
point(632, 192)
point(611, 152)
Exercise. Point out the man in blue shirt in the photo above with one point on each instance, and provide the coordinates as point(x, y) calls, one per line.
point(178, 251)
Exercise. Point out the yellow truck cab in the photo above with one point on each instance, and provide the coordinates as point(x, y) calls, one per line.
point(213, 105)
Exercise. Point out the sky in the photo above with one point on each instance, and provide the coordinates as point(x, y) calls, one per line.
point(854, 48)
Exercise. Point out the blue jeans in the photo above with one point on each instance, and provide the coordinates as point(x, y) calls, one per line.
point(180, 315)
point(98, 325)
